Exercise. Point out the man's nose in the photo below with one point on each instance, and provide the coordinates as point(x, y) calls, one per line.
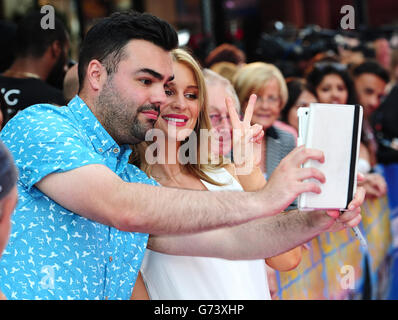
point(158, 97)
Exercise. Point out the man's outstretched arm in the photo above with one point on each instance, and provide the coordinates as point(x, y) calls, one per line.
point(95, 192)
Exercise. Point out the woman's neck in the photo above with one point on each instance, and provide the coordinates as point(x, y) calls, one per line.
point(169, 168)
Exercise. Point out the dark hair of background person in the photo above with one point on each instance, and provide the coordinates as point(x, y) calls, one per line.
point(225, 52)
point(321, 69)
point(3, 109)
point(371, 67)
point(8, 31)
point(32, 40)
point(295, 87)
point(106, 39)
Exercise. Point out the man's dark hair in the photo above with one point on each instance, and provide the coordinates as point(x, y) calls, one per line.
point(33, 40)
point(106, 39)
point(371, 67)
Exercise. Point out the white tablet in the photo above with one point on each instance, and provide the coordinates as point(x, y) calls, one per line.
point(334, 129)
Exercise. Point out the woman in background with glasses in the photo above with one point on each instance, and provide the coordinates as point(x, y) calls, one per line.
point(218, 89)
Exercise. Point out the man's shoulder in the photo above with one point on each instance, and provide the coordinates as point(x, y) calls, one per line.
point(39, 118)
point(40, 112)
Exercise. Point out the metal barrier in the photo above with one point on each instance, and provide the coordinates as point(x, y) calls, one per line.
point(335, 266)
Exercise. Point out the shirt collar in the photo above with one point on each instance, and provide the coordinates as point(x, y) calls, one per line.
point(100, 138)
point(271, 132)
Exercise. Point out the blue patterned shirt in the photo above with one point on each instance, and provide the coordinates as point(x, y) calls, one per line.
point(54, 253)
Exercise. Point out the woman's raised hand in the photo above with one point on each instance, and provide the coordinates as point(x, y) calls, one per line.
point(246, 137)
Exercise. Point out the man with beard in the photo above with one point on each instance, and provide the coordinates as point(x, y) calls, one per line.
point(81, 226)
point(40, 56)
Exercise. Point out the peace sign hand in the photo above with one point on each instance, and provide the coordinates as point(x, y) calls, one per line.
point(246, 138)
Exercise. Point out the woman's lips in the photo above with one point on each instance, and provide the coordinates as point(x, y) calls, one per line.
point(263, 115)
point(178, 120)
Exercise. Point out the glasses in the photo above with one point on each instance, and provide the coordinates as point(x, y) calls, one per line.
point(271, 101)
point(216, 119)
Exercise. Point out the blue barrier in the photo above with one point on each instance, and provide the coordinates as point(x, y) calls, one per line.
point(390, 173)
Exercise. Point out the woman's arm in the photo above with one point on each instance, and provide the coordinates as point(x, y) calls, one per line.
point(286, 261)
point(139, 290)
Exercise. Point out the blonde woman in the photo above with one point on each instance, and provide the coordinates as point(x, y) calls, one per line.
point(179, 277)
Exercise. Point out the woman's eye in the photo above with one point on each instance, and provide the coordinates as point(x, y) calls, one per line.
point(191, 96)
point(168, 92)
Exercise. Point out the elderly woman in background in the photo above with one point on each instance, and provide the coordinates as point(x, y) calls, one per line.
point(267, 82)
point(218, 89)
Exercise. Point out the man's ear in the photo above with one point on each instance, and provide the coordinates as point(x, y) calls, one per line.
point(56, 49)
point(96, 75)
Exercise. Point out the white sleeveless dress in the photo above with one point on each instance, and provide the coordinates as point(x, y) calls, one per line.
point(169, 277)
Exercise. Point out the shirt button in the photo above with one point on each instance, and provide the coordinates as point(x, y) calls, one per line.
point(116, 150)
point(110, 259)
point(100, 149)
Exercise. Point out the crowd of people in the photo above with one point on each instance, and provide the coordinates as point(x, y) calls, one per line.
point(111, 169)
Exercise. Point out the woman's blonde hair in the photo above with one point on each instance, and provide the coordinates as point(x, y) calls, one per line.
point(253, 77)
point(203, 122)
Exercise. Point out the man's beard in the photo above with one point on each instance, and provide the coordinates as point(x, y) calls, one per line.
point(124, 127)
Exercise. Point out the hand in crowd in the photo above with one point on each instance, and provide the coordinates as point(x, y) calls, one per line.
point(375, 185)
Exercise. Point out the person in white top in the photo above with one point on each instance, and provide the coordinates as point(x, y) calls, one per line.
point(178, 277)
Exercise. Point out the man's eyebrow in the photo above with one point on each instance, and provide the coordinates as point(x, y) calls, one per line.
point(153, 73)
